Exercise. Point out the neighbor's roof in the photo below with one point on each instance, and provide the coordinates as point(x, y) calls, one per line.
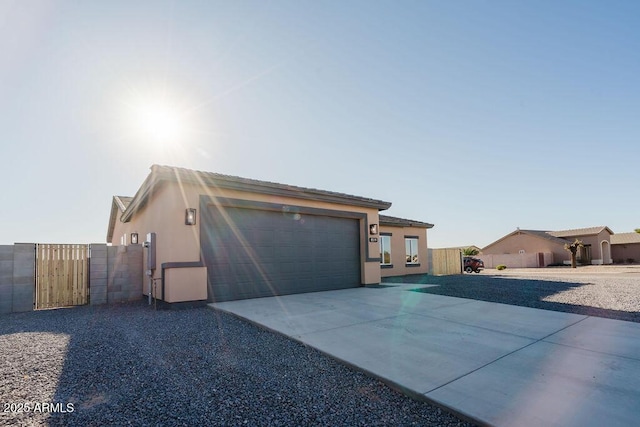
point(119, 205)
point(625, 238)
point(401, 222)
point(580, 231)
point(558, 237)
point(536, 233)
point(547, 235)
point(161, 174)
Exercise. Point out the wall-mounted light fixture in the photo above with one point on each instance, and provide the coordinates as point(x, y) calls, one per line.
point(190, 216)
point(134, 238)
point(373, 229)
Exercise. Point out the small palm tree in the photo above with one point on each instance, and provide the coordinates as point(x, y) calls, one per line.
point(573, 248)
point(470, 251)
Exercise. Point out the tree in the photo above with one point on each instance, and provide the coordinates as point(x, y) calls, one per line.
point(637, 230)
point(470, 251)
point(573, 248)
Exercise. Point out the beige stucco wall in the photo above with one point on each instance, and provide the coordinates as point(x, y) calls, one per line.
point(526, 260)
point(596, 246)
point(594, 241)
point(176, 242)
point(513, 244)
point(605, 236)
point(186, 284)
point(621, 253)
point(398, 251)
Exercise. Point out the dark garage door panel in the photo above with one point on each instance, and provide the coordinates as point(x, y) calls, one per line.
point(252, 253)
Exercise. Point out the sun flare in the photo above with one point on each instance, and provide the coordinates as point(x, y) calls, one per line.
point(157, 120)
point(160, 123)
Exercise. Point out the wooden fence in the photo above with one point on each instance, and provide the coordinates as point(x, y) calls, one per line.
point(61, 275)
point(445, 261)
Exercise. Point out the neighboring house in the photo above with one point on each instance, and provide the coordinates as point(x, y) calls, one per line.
point(220, 237)
point(549, 245)
point(403, 246)
point(625, 247)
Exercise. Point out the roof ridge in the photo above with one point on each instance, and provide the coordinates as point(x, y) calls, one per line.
point(166, 168)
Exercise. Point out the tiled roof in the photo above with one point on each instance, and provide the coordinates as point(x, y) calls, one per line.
point(547, 235)
point(536, 233)
point(401, 222)
point(210, 179)
point(625, 238)
point(580, 231)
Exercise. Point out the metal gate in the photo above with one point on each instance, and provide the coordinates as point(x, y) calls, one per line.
point(62, 275)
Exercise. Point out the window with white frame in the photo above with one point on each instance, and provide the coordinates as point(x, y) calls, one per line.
point(411, 245)
point(385, 250)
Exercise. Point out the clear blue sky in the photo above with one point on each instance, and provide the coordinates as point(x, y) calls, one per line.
point(477, 116)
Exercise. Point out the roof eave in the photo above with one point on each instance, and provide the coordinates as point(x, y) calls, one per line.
point(589, 233)
point(407, 224)
point(159, 175)
point(392, 221)
point(281, 190)
point(112, 220)
point(140, 198)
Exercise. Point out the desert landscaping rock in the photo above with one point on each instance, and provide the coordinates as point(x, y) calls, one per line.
point(603, 291)
point(131, 365)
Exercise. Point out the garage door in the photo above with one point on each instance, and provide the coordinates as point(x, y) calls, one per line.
point(252, 253)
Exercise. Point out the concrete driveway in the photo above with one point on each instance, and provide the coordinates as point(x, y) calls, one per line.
point(498, 364)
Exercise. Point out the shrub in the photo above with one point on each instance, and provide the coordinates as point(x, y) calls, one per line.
point(470, 251)
point(630, 260)
point(501, 267)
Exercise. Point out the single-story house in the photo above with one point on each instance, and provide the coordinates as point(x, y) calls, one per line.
point(403, 246)
point(549, 245)
point(219, 237)
point(625, 247)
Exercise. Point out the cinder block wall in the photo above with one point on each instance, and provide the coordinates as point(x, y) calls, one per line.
point(115, 275)
point(6, 278)
point(17, 277)
point(98, 274)
point(124, 280)
point(24, 276)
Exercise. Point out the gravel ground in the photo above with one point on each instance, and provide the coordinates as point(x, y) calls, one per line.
point(612, 292)
point(130, 365)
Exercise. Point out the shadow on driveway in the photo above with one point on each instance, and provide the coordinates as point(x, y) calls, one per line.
point(520, 292)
